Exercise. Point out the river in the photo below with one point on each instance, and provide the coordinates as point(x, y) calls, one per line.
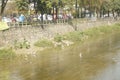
point(97, 59)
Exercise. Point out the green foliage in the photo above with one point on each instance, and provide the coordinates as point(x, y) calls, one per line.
point(6, 53)
point(101, 30)
point(116, 27)
point(76, 14)
point(95, 31)
point(22, 5)
point(91, 32)
point(43, 6)
point(77, 36)
point(58, 38)
point(23, 44)
point(74, 36)
point(44, 43)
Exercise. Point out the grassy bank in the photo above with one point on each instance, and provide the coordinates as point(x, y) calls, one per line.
point(89, 33)
point(59, 40)
point(79, 36)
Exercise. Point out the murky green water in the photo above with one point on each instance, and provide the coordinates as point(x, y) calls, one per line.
point(94, 60)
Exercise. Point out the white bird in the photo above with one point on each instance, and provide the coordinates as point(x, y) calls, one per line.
point(80, 55)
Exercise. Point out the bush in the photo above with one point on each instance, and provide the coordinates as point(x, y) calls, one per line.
point(44, 43)
point(23, 44)
point(59, 38)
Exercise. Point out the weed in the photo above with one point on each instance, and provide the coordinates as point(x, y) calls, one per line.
point(44, 43)
point(23, 44)
point(58, 38)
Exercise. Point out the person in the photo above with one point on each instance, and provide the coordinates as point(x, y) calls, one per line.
point(21, 18)
point(13, 19)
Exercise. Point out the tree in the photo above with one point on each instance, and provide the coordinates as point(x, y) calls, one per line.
point(22, 5)
point(115, 7)
point(3, 5)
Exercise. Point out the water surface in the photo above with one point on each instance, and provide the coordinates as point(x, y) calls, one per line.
point(98, 59)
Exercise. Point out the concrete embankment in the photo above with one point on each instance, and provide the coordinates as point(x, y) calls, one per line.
point(32, 33)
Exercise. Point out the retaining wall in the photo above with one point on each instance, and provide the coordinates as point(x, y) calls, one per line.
point(33, 33)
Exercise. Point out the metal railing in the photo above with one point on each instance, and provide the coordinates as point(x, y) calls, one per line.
point(36, 23)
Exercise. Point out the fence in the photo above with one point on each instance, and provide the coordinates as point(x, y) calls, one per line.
point(37, 23)
point(33, 31)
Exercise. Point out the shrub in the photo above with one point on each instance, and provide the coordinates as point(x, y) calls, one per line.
point(44, 43)
point(58, 38)
point(23, 44)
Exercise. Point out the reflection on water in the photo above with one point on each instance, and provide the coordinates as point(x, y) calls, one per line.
point(78, 62)
point(112, 72)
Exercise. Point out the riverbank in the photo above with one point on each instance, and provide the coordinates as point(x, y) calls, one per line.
point(90, 53)
point(24, 46)
point(86, 60)
point(34, 33)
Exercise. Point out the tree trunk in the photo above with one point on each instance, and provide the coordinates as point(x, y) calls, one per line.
point(56, 11)
point(113, 13)
point(3, 5)
point(108, 13)
point(42, 21)
point(90, 9)
point(53, 13)
point(118, 13)
point(101, 11)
